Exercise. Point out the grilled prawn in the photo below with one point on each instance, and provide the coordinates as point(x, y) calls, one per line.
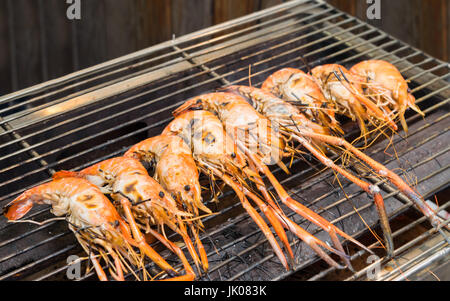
point(261, 144)
point(176, 171)
point(217, 157)
point(292, 127)
point(299, 88)
point(344, 89)
point(385, 84)
point(95, 222)
point(127, 179)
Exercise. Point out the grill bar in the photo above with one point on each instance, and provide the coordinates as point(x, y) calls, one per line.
point(399, 250)
point(425, 263)
point(136, 96)
point(274, 68)
point(423, 255)
point(202, 66)
point(25, 146)
point(177, 52)
point(35, 263)
point(34, 246)
point(424, 71)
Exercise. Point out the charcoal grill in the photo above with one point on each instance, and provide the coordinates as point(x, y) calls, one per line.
point(97, 113)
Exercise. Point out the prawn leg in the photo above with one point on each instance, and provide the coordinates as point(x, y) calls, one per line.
point(190, 246)
point(98, 269)
point(305, 236)
point(140, 240)
point(371, 189)
point(296, 229)
point(119, 271)
point(190, 275)
point(255, 216)
point(365, 101)
point(275, 220)
point(201, 249)
point(300, 209)
point(377, 112)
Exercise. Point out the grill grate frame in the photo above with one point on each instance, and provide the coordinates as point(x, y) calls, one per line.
point(197, 63)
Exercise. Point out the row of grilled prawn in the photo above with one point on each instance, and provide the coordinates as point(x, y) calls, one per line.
point(108, 229)
point(262, 124)
point(371, 92)
point(374, 90)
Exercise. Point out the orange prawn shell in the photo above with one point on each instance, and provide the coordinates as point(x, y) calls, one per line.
point(295, 86)
point(325, 74)
point(337, 90)
point(203, 132)
point(179, 174)
point(129, 177)
point(82, 201)
point(274, 82)
point(241, 121)
point(276, 109)
point(388, 76)
point(285, 82)
point(175, 168)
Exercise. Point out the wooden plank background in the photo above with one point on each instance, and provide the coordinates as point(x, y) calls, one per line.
point(40, 43)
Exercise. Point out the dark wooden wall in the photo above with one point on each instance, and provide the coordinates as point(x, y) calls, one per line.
point(40, 43)
point(424, 24)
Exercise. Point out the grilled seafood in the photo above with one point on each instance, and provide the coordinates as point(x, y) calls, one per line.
point(294, 85)
point(127, 179)
point(385, 84)
point(232, 135)
point(175, 168)
point(291, 127)
point(343, 89)
point(238, 116)
point(176, 171)
point(95, 222)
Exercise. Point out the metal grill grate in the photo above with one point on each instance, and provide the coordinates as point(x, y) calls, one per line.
point(97, 113)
